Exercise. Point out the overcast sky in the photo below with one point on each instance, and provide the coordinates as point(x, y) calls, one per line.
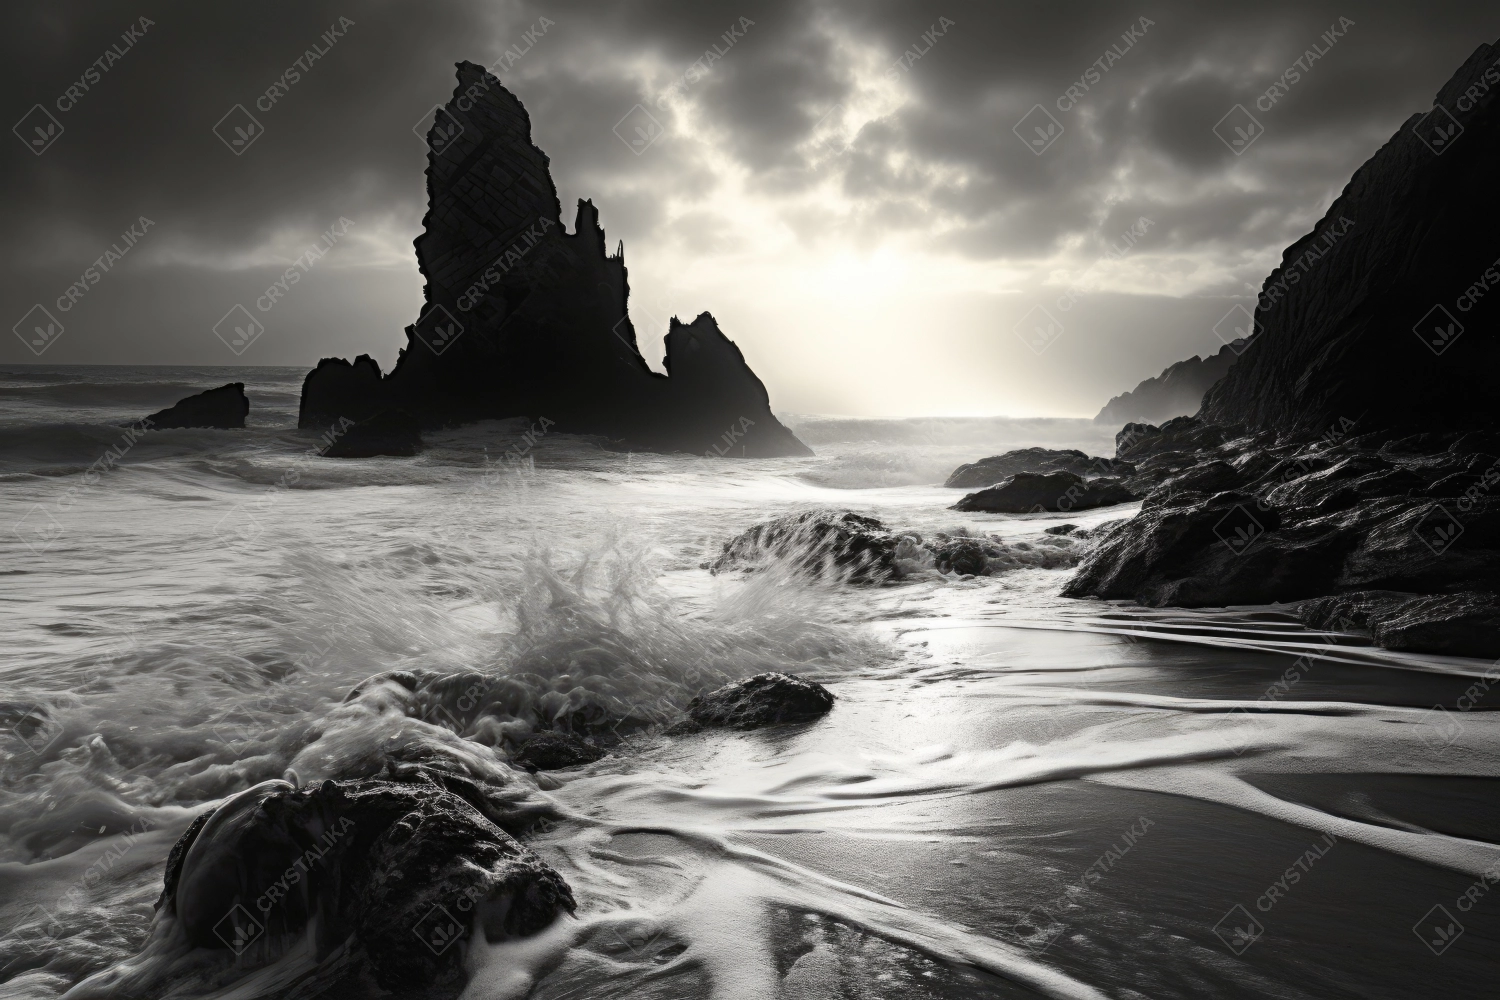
point(841, 183)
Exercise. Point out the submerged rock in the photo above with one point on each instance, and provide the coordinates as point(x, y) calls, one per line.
point(225, 407)
point(401, 866)
point(523, 319)
point(763, 700)
point(988, 471)
point(390, 432)
point(824, 543)
point(1027, 492)
point(550, 751)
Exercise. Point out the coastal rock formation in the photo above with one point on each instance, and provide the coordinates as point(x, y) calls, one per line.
point(988, 471)
point(768, 699)
point(225, 407)
point(522, 318)
point(382, 862)
point(1176, 392)
point(1350, 458)
point(1057, 492)
point(1387, 313)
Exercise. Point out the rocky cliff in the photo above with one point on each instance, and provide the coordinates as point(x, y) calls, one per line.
point(522, 318)
point(1349, 459)
point(1176, 392)
point(1386, 312)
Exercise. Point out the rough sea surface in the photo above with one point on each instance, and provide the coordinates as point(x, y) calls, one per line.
point(1015, 795)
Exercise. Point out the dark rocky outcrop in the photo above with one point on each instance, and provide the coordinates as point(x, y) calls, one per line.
point(1056, 492)
point(1348, 459)
point(988, 471)
point(225, 407)
point(1352, 325)
point(524, 319)
point(1462, 624)
point(399, 865)
point(389, 432)
point(768, 699)
point(1176, 392)
point(550, 751)
point(846, 546)
point(855, 549)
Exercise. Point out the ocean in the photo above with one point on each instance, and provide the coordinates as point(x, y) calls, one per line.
point(1015, 795)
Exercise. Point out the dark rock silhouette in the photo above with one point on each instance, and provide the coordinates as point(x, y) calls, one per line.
point(989, 471)
point(1176, 392)
point(524, 319)
point(550, 751)
point(1348, 459)
point(225, 407)
point(1381, 313)
point(763, 700)
point(376, 860)
point(389, 432)
point(1057, 492)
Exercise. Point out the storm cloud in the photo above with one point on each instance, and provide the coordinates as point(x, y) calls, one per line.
point(857, 190)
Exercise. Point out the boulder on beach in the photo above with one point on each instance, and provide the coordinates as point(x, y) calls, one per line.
point(402, 865)
point(524, 319)
point(1055, 492)
point(988, 471)
point(225, 407)
point(768, 699)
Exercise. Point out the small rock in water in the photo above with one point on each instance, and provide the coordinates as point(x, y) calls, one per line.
point(550, 751)
point(1030, 492)
point(224, 407)
point(1061, 529)
point(763, 700)
point(817, 542)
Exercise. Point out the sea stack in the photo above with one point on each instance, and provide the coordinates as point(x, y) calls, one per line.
point(522, 318)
